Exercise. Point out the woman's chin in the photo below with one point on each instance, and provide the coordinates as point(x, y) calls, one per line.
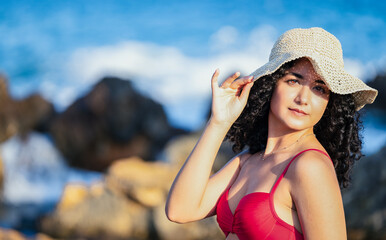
point(298, 125)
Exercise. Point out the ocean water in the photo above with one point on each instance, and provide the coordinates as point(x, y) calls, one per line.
point(35, 175)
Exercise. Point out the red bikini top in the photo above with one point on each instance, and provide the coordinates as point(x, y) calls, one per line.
point(255, 216)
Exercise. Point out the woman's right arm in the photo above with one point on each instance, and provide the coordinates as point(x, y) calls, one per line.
point(194, 193)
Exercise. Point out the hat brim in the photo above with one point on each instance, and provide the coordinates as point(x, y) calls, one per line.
point(336, 79)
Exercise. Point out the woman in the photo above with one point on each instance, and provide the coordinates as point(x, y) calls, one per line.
point(296, 116)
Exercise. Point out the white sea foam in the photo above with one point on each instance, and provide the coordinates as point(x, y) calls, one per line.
point(35, 172)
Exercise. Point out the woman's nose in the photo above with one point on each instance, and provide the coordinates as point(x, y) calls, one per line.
point(303, 95)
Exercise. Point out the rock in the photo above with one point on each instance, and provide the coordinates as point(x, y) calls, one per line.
point(22, 116)
point(4, 96)
point(73, 195)
point(203, 229)
point(34, 113)
point(176, 152)
point(379, 83)
point(42, 236)
point(144, 182)
point(8, 123)
point(356, 234)
point(113, 121)
point(148, 183)
point(97, 213)
point(9, 234)
point(134, 188)
point(1, 177)
point(179, 148)
point(364, 200)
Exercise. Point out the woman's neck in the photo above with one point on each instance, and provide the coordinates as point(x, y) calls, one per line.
point(285, 140)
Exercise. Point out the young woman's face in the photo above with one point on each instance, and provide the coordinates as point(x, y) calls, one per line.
point(299, 99)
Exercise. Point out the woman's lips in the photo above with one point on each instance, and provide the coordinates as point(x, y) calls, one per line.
point(297, 111)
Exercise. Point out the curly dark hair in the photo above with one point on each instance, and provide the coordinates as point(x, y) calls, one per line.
point(338, 130)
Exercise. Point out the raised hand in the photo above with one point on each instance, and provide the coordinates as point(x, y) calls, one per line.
point(229, 99)
point(194, 194)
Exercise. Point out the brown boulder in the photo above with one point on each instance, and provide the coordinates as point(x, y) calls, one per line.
point(144, 182)
point(1, 177)
point(97, 213)
point(365, 199)
point(179, 148)
point(199, 230)
point(379, 83)
point(22, 116)
point(9, 234)
point(113, 121)
point(42, 236)
point(148, 183)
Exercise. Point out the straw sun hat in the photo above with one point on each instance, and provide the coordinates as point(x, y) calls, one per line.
point(325, 53)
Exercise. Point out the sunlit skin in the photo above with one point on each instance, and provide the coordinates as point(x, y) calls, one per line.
point(299, 99)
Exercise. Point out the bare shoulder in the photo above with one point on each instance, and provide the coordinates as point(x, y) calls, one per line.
point(313, 173)
point(311, 166)
point(315, 191)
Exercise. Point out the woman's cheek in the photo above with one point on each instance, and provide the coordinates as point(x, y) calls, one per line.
point(320, 107)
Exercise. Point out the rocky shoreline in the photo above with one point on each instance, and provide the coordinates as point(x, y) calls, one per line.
point(120, 133)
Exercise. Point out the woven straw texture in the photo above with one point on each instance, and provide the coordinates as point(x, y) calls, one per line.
point(325, 53)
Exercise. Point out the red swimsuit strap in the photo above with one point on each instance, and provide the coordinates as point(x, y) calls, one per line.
point(285, 170)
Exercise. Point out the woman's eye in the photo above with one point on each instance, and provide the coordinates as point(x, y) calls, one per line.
point(292, 81)
point(321, 89)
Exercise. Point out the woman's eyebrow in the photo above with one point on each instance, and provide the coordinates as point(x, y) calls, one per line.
point(320, 81)
point(297, 75)
point(301, 77)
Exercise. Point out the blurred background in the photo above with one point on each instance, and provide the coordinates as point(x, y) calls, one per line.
point(102, 101)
